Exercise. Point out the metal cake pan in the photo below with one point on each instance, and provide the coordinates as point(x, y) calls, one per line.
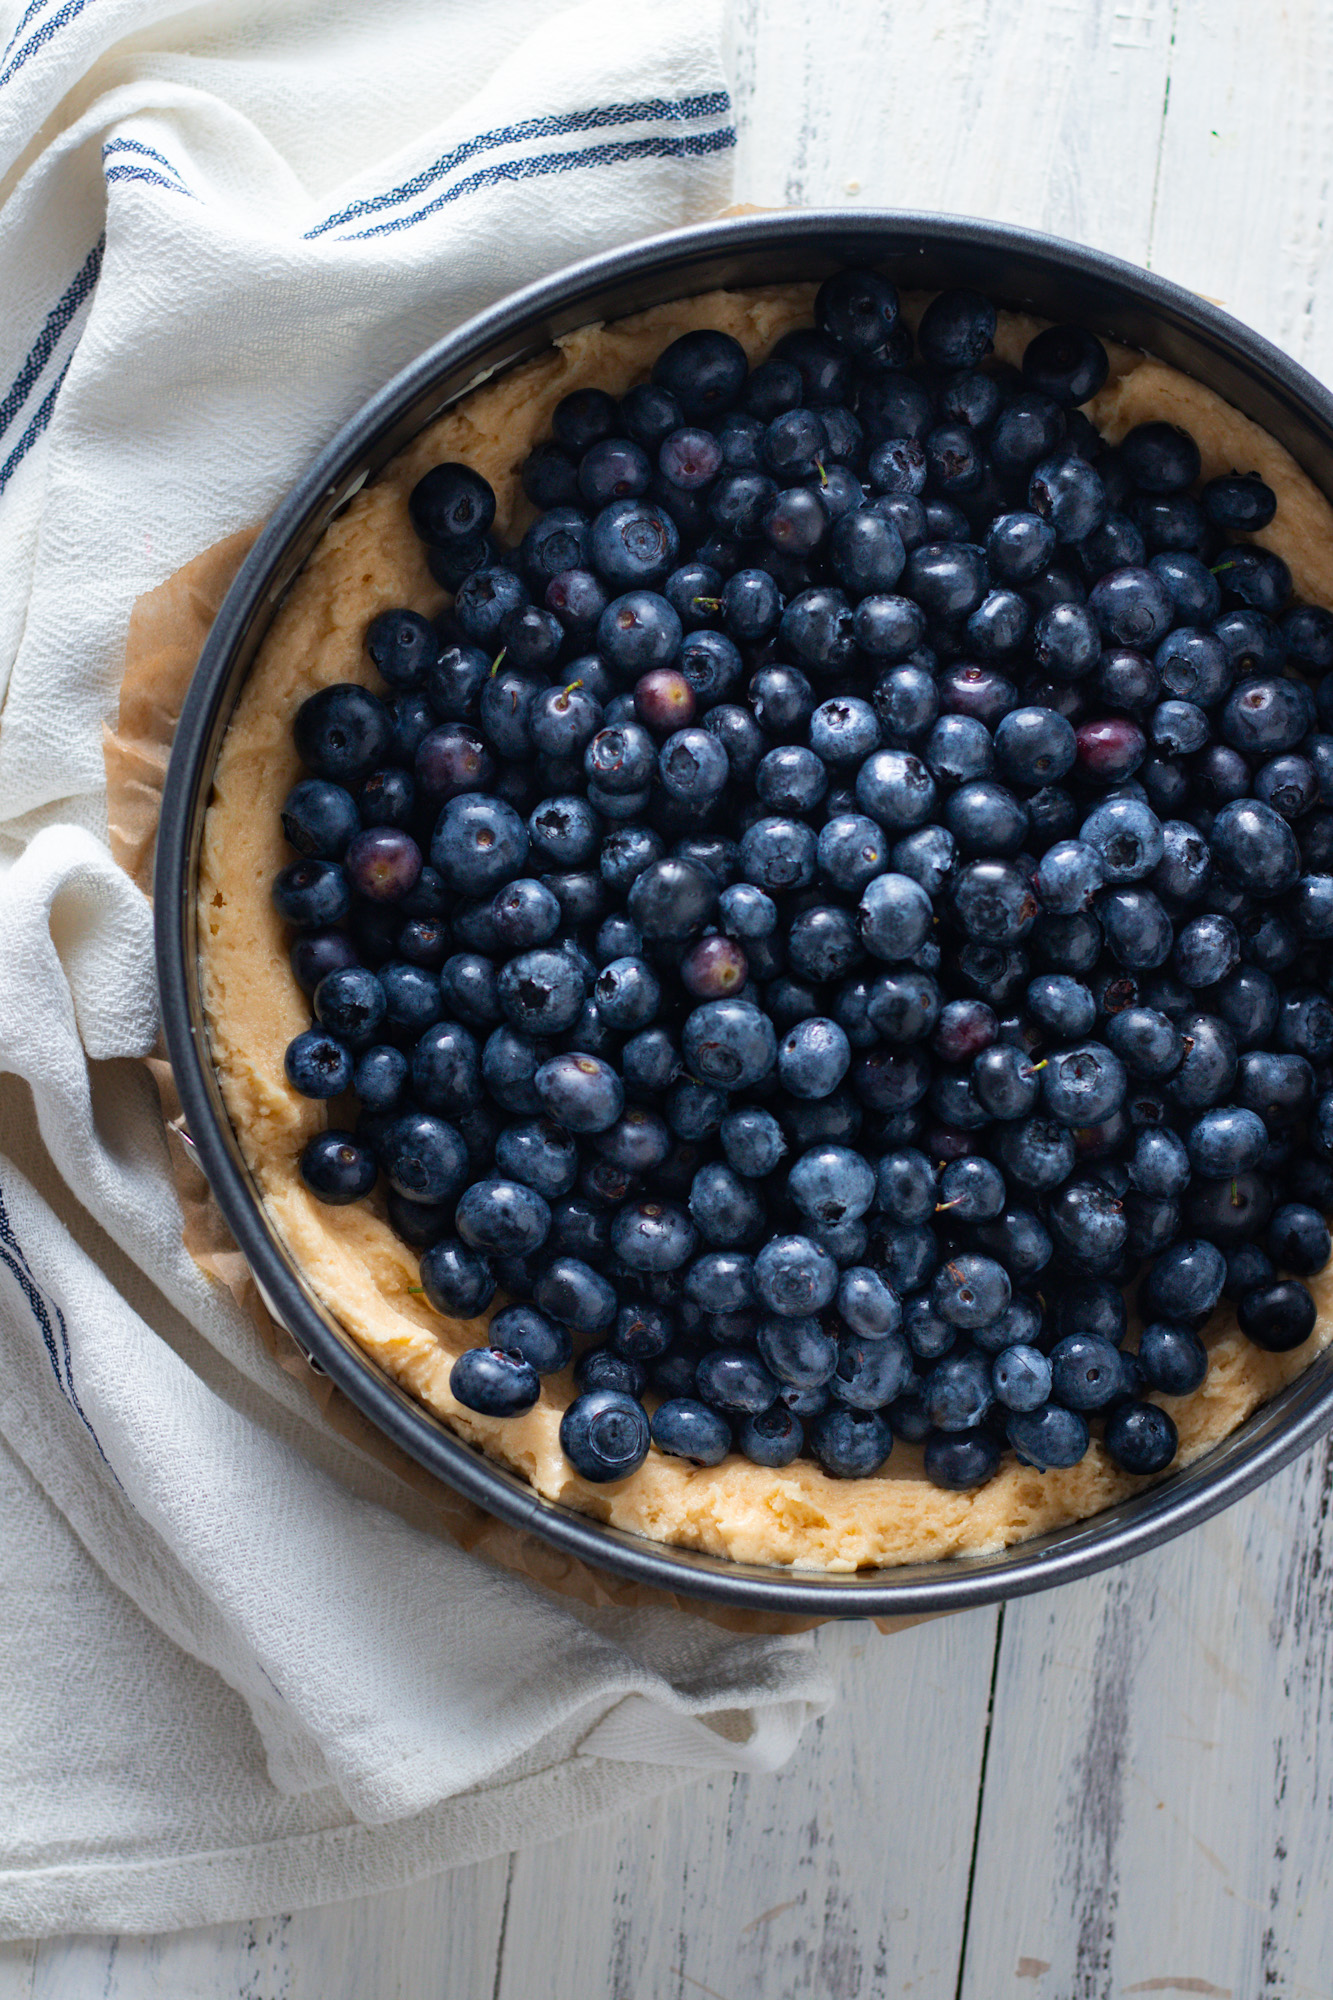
point(1020, 270)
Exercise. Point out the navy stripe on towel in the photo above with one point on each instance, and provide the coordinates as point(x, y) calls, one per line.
point(14, 1261)
point(133, 173)
point(34, 430)
point(59, 317)
point(710, 104)
point(539, 166)
point(145, 152)
point(60, 19)
point(29, 13)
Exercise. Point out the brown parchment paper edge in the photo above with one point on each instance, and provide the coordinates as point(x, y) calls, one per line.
point(167, 630)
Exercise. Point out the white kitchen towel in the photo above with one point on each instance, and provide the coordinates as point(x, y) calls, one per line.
point(234, 1679)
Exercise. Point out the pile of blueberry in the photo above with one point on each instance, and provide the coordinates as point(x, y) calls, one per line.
point(844, 898)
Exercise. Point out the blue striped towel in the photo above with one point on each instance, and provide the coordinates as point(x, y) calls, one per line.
point(225, 226)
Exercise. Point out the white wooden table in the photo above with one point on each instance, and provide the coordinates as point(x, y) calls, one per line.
point(1124, 1787)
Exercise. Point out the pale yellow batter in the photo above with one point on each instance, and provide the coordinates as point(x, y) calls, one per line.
point(370, 560)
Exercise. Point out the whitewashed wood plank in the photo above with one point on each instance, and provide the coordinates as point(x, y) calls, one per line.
point(1243, 206)
point(1045, 112)
point(17, 1963)
point(843, 1875)
point(1159, 1796)
point(436, 1938)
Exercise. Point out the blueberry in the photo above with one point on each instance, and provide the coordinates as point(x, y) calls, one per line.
point(1067, 363)
point(1186, 1281)
point(960, 1460)
point(672, 899)
point(456, 1280)
point(798, 1351)
point(1173, 1358)
point(494, 1380)
point(752, 1140)
point(859, 309)
point(1019, 546)
point(337, 1169)
point(773, 1438)
point(986, 819)
point(580, 1092)
point(653, 1236)
point(812, 1058)
point(604, 1434)
point(1298, 1239)
point(320, 818)
point(312, 894)
point(729, 1043)
point(1085, 1371)
point(683, 1427)
point(970, 1291)
point(871, 1373)
point(1140, 1438)
point(957, 1393)
point(850, 1444)
point(424, 1158)
point(643, 1332)
point(1084, 1085)
point(725, 1208)
point(947, 579)
point(735, 1382)
point(631, 542)
point(1066, 642)
point(720, 1281)
point(704, 371)
point(1278, 1317)
point(318, 1064)
point(894, 916)
point(1160, 457)
point(957, 329)
point(1021, 1377)
point(575, 1295)
point(1049, 1437)
point(1239, 502)
point(478, 843)
point(794, 1276)
point(695, 1110)
point(509, 1064)
point(1067, 492)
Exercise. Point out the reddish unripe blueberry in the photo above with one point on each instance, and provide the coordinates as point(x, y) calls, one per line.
point(964, 1028)
point(714, 969)
point(1111, 748)
point(383, 863)
point(451, 760)
point(664, 701)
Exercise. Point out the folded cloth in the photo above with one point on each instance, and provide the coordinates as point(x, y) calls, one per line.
point(238, 1676)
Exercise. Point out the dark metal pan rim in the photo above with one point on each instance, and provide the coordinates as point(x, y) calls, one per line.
point(1021, 269)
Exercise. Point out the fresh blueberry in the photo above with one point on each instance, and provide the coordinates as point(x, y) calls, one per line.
point(684, 1427)
point(1140, 1438)
point(1049, 1437)
point(337, 1169)
point(604, 1434)
point(850, 1444)
point(960, 1460)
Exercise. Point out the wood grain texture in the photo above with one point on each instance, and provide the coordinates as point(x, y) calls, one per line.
point(843, 1875)
point(1163, 1812)
point(1044, 112)
point(1244, 194)
point(18, 1964)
